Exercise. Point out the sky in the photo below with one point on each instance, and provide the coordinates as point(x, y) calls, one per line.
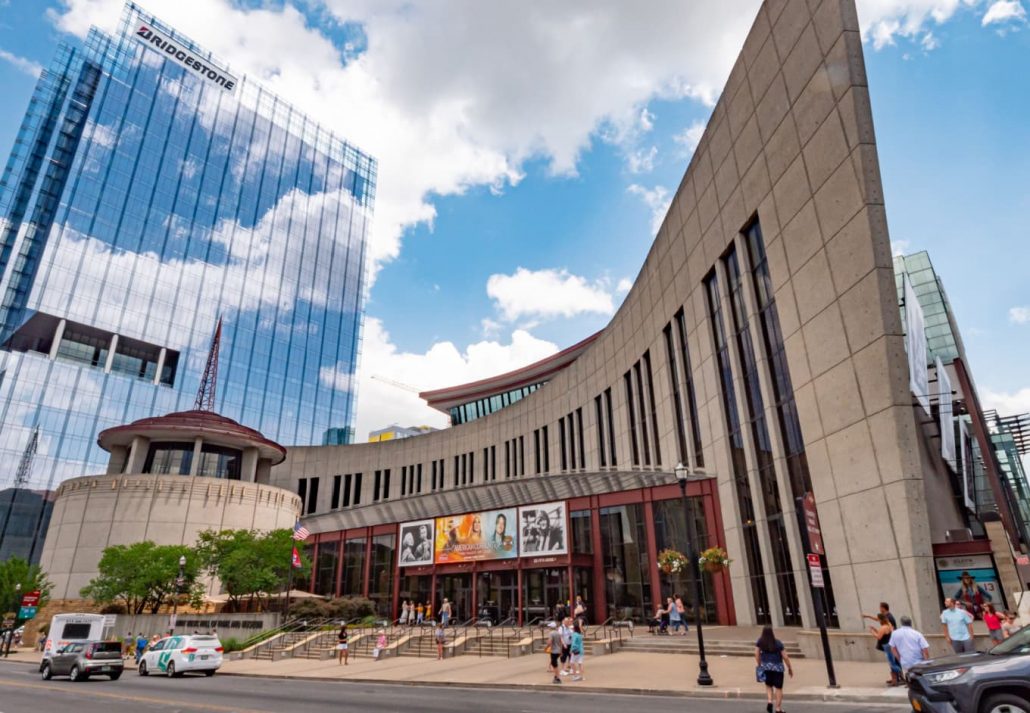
point(528, 150)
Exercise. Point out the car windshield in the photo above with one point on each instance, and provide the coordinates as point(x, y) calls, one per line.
point(1017, 644)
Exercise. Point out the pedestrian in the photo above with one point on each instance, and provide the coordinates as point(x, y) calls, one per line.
point(577, 651)
point(885, 608)
point(420, 613)
point(341, 645)
point(377, 652)
point(566, 645)
point(675, 615)
point(581, 609)
point(429, 612)
point(682, 609)
point(882, 634)
point(1011, 624)
point(770, 660)
point(654, 625)
point(128, 644)
point(908, 646)
point(441, 638)
point(141, 645)
point(445, 611)
point(553, 649)
point(404, 612)
point(993, 622)
point(958, 627)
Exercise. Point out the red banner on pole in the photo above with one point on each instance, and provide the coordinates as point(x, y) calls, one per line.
point(815, 533)
point(30, 599)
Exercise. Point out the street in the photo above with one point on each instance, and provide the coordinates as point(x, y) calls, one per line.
point(21, 691)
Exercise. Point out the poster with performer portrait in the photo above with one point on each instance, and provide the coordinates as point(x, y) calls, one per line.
point(476, 536)
point(543, 530)
point(416, 543)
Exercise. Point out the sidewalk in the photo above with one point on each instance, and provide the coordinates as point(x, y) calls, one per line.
point(625, 672)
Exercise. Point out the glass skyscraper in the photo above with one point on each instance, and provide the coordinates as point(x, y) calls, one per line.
point(150, 191)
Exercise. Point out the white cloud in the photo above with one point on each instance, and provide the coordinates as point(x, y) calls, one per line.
point(641, 160)
point(690, 137)
point(547, 293)
point(443, 364)
point(624, 286)
point(1019, 315)
point(657, 199)
point(883, 22)
point(1007, 403)
point(1004, 11)
point(900, 248)
point(33, 69)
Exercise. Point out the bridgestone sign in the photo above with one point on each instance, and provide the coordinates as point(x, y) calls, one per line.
point(163, 44)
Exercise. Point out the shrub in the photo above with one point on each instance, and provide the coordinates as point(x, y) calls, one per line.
point(230, 645)
point(309, 609)
point(350, 608)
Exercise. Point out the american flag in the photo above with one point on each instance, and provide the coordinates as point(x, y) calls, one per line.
point(300, 533)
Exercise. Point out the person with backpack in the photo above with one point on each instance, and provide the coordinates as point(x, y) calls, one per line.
point(771, 659)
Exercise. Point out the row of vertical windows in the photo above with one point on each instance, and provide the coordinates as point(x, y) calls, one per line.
point(437, 474)
point(541, 451)
point(307, 489)
point(570, 437)
point(800, 478)
point(381, 486)
point(479, 408)
point(642, 412)
point(515, 457)
point(741, 487)
point(783, 570)
point(411, 479)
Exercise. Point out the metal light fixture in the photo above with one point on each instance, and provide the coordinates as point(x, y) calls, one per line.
point(682, 476)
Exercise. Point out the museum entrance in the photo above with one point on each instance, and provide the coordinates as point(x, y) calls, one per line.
point(543, 590)
point(415, 589)
point(458, 589)
point(498, 594)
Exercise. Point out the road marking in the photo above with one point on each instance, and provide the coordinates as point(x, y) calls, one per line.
point(78, 690)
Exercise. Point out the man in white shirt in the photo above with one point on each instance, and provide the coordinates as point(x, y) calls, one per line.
point(909, 646)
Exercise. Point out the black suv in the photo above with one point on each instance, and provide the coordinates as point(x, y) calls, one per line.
point(81, 659)
point(994, 681)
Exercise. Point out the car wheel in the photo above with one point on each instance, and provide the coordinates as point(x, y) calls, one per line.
point(116, 676)
point(1005, 703)
point(209, 673)
point(172, 673)
point(143, 668)
point(76, 674)
point(45, 672)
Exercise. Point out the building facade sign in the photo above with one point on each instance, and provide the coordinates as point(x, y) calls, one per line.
point(543, 530)
point(476, 536)
point(972, 579)
point(915, 345)
point(170, 49)
point(416, 543)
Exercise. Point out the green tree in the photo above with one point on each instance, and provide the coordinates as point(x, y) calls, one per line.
point(248, 564)
point(15, 571)
point(142, 576)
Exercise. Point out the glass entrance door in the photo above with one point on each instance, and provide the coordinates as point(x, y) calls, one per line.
point(498, 594)
point(543, 590)
point(457, 588)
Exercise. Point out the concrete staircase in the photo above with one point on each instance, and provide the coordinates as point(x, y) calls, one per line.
point(674, 644)
point(273, 651)
point(498, 645)
point(422, 646)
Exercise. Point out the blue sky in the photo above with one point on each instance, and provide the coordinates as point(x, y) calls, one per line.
point(521, 169)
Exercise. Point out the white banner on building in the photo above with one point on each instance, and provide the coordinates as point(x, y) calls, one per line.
point(915, 345)
point(944, 403)
point(968, 477)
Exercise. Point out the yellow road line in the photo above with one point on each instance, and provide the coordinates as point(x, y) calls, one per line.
point(79, 690)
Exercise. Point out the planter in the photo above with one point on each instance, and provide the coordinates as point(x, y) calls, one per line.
point(714, 567)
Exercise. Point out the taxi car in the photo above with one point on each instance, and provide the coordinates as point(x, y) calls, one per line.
point(176, 655)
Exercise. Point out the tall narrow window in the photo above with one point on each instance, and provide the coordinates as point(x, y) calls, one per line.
point(386, 484)
point(642, 410)
point(433, 472)
point(377, 485)
point(302, 493)
point(599, 420)
point(472, 467)
point(579, 440)
point(547, 451)
point(627, 379)
point(334, 501)
point(688, 378)
point(649, 373)
point(536, 451)
point(507, 459)
point(418, 479)
point(522, 455)
point(454, 476)
point(572, 442)
point(752, 552)
point(346, 490)
point(493, 462)
point(677, 401)
point(404, 480)
point(783, 569)
point(486, 465)
point(562, 444)
point(357, 488)
point(611, 426)
point(783, 392)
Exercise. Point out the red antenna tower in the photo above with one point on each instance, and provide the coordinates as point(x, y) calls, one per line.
point(209, 381)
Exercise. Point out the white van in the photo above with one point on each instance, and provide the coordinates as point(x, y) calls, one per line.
point(66, 628)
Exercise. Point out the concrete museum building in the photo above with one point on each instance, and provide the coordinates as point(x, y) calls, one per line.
point(762, 347)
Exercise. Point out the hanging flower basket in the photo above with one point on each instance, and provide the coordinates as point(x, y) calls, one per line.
point(672, 562)
point(714, 560)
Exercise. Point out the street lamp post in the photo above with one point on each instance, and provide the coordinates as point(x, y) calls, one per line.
point(179, 582)
point(703, 677)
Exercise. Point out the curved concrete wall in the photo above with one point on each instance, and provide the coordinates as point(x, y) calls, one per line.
point(790, 142)
point(95, 512)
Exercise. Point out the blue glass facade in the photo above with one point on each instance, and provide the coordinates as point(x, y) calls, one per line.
point(141, 201)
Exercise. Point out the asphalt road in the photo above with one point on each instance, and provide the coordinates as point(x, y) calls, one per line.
point(21, 691)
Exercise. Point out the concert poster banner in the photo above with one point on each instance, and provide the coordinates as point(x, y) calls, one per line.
point(477, 536)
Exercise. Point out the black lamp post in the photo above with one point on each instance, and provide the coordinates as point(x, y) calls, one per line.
point(179, 582)
point(703, 677)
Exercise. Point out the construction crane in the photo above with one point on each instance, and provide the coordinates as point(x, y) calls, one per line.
point(398, 384)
